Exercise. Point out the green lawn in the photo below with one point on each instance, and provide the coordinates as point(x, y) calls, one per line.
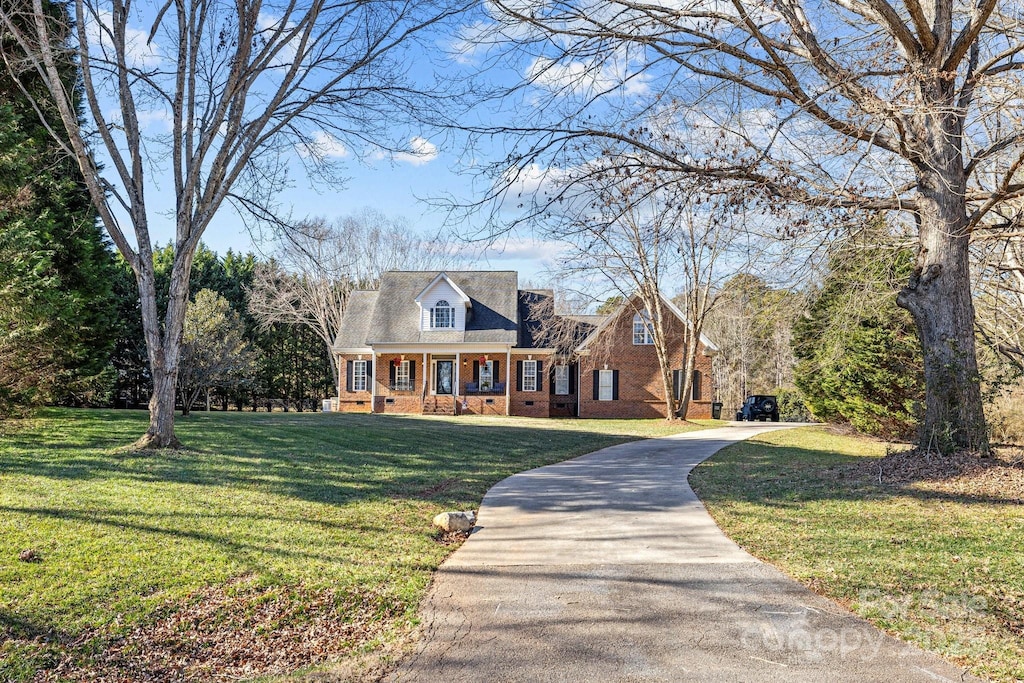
point(280, 539)
point(942, 569)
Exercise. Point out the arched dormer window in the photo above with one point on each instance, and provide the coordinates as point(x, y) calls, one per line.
point(643, 330)
point(442, 315)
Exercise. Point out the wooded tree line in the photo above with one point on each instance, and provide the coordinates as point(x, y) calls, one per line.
point(66, 343)
point(808, 115)
point(278, 364)
point(839, 348)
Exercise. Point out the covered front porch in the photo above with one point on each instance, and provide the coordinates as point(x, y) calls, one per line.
point(442, 381)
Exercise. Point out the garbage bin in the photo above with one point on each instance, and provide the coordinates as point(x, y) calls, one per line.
point(326, 405)
point(716, 411)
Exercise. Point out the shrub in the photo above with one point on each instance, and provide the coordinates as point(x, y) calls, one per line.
point(792, 407)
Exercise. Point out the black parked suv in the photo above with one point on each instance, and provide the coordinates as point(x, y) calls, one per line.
point(759, 408)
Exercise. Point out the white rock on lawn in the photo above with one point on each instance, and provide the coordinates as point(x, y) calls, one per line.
point(455, 521)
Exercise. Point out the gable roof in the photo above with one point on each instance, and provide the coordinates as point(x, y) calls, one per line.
point(534, 306)
point(498, 313)
point(455, 286)
point(709, 346)
point(492, 316)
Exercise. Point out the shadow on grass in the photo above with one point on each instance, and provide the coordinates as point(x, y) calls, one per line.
point(788, 476)
point(325, 458)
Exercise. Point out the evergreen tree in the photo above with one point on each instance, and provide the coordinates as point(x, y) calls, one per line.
point(215, 351)
point(56, 269)
point(859, 360)
point(290, 367)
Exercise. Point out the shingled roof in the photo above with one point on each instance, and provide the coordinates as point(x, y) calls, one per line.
point(356, 321)
point(390, 315)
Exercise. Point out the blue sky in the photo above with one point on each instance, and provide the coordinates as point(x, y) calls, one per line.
point(400, 185)
point(398, 189)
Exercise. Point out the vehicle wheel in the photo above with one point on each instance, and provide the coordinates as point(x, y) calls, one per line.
point(739, 417)
point(768, 406)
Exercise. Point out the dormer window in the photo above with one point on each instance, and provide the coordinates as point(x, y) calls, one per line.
point(442, 315)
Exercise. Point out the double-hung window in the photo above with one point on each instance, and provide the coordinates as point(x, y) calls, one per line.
point(605, 385)
point(359, 375)
point(561, 380)
point(643, 330)
point(442, 315)
point(402, 381)
point(529, 375)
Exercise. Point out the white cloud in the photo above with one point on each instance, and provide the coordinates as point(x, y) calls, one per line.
point(589, 78)
point(513, 249)
point(421, 151)
point(272, 29)
point(532, 184)
point(472, 40)
point(150, 120)
point(155, 117)
point(139, 52)
point(324, 146)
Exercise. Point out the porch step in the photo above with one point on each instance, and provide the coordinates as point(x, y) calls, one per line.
point(434, 406)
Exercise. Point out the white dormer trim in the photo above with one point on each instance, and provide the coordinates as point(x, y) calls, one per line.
point(442, 290)
point(442, 276)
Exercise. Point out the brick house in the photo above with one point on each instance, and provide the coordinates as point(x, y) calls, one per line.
point(472, 342)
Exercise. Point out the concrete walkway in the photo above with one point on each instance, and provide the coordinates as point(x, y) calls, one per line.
point(608, 568)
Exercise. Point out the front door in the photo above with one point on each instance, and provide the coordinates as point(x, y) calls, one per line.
point(443, 371)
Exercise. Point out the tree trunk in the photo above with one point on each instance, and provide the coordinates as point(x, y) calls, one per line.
point(670, 400)
point(938, 296)
point(161, 412)
point(689, 361)
point(163, 346)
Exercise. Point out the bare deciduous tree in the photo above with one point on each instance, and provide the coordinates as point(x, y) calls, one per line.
point(839, 104)
point(632, 237)
point(1000, 300)
point(752, 325)
point(241, 85)
point(320, 263)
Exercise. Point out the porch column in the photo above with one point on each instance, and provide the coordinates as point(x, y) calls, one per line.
point(508, 381)
point(372, 380)
point(341, 373)
point(426, 380)
point(458, 370)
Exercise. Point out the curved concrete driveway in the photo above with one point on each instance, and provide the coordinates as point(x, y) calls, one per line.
point(608, 568)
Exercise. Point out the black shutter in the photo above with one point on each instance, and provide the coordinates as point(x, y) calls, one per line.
point(677, 384)
point(495, 375)
point(348, 375)
point(597, 385)
point(369, 375)
point(551, 380)
point(476, 371)
point(393, 369)
point(412, 371)
point(519, 375)
point(615, 385)
point(573, 371)
point(540, 376)
point(696, 385)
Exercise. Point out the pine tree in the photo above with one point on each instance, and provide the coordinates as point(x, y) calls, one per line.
point(56, 269)
point(859, 360)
